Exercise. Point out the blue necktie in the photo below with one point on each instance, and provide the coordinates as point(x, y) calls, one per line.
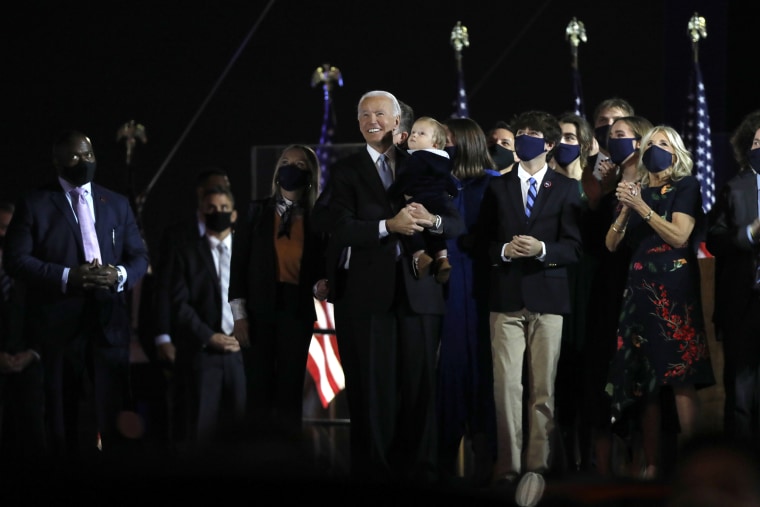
point(531, 198)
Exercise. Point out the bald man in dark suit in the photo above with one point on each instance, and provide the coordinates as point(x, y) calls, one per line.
point(77, 315)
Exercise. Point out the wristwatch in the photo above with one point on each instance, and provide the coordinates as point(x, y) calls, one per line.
point(119, 277)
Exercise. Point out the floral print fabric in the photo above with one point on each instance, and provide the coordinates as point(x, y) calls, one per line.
point(661, 337)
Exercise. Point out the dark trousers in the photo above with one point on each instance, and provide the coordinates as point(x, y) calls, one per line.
point(83, 371)
point(741, 348)
point(22, 433)
point(222, 393)
point(276, 363)
point(389, 364)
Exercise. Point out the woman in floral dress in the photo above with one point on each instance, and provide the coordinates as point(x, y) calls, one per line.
point(661, 332)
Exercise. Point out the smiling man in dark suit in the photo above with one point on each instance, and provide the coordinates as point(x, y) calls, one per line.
point(387, 322)
point(77, 317)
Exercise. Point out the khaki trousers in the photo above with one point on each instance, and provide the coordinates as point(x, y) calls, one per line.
point(535, 338)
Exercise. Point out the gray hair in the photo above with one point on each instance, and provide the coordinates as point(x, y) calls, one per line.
point(380, 93)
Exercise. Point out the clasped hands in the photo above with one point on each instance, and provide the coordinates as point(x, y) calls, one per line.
point(629, 193)
point(413, 217)
point(15, 363)
point(224, 343)
point(321, 289)
point(93, 275)
point(523, 246)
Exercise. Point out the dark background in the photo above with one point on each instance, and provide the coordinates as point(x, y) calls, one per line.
point(209, 82)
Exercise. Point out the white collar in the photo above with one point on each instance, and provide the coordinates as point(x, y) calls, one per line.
point(525, 175)
point(68, 187)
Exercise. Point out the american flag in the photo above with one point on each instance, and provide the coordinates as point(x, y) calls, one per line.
point(696, 136)
point(578, 94)
point(327, 76)
point(462, 109)
point(324, 150)
point(323, 363)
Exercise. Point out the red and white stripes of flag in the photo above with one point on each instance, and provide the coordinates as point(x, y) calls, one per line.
point(323, 363)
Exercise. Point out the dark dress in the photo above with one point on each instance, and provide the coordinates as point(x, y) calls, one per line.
point(602, 313)
point(570, 396)
point(661, 337)
point(465, 402)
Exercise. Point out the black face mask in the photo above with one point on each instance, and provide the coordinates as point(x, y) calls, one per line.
point(291, 177)
point(218, 221)
point(502, 157)
point(754, 159)
point(79, 174)
point(602, 135)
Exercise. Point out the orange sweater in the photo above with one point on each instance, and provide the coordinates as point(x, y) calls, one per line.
point(289, 250)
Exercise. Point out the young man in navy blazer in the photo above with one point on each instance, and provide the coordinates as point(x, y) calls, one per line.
point(527, 251)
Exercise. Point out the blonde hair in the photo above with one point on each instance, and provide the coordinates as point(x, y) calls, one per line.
point(312, 160)
point(683, 163)
point(439, 131)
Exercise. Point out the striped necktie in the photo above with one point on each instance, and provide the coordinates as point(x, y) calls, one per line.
point(224, 285)
point(531, 197)
point(5, 285)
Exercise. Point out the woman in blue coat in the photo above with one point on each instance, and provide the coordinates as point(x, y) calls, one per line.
point(465, 379)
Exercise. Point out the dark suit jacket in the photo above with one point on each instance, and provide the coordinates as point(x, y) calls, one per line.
point(254, 262)
point(156, 315)
point(196, 297)
point(539, 286)
point(44, 238)
point(735, 256)
point(357, 203)
point(426, 177)
point(12, 319)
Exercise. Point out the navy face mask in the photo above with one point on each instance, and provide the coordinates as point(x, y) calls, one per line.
point(291, 177)
point(655, 159)
point(529, 147)
point(602, 135)
point(501, 156)
point(620, 148)
point(566, 153)
point(754, 159)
